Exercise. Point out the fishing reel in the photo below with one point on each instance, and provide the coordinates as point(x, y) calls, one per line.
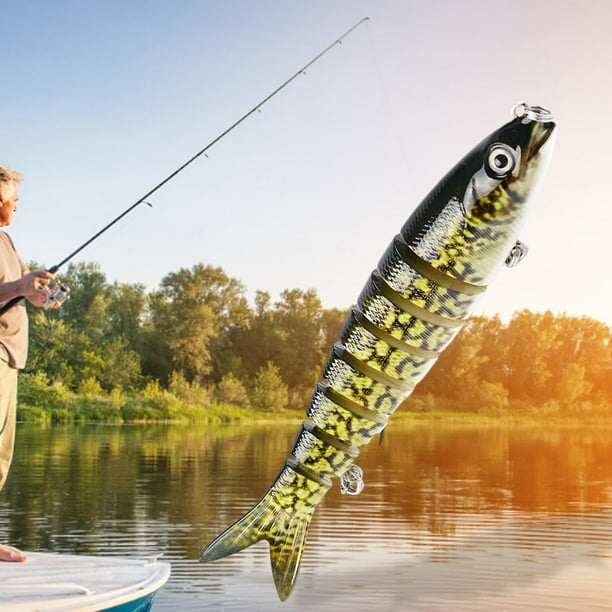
point(56, 295)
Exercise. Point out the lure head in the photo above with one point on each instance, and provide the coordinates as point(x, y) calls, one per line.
point(469, 222)
point(508, 159)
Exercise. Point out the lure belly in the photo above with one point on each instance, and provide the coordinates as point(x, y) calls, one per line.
point(412, 306)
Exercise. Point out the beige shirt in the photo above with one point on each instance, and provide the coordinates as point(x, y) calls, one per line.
point(14, 322)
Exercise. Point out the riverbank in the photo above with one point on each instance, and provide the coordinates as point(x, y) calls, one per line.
point(182, 403)
point(165, 407)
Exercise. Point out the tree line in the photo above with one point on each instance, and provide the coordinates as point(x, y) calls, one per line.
point(197, 338)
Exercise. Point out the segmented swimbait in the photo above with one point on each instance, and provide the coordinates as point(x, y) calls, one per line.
point(412, 306)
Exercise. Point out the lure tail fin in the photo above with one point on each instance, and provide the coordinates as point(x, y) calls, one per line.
point(282, 517)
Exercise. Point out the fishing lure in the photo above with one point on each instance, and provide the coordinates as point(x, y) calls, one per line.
point(412, 306)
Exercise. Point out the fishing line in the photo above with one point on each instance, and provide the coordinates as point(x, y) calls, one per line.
point(388, 108)
point(257, 107)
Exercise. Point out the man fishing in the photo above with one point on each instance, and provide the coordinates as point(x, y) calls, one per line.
point(15, 280)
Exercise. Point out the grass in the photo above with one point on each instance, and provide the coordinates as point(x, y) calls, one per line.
point(43, 403)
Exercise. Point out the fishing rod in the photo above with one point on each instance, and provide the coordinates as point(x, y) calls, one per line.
point(223, 134)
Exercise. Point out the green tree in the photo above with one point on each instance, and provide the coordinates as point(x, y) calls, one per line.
point(587, 343)
point(189, 312)
point(270, 393)
point(87, 285)
point(120, 366)
point(51, 347)
point(92, 335)
point(231, 391)
point(532, 341)
point(297, 321)
point(572, 386)
point(127, 311)
point(331, 323)
point(464, 365)
point(258, 342)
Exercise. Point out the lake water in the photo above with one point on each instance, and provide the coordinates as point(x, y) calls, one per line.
point(451, 518)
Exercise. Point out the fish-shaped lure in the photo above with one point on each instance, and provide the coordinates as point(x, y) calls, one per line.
point(412, 306)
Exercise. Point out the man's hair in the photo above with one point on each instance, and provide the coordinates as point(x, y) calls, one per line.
point(7, 176)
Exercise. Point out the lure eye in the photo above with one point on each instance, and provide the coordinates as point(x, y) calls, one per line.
point(500, 160)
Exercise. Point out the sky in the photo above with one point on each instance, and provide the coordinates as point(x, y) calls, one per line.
point(104, 99)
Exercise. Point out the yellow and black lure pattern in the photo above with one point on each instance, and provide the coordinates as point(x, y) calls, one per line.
point(411, 307)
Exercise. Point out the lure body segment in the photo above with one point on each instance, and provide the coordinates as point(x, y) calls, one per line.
point(412, 306)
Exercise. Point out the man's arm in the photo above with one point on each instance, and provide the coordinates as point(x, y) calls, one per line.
point(32, 286)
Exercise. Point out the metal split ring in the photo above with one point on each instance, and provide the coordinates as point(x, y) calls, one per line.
point(351, 482)
point(522, 110)
point(517, 253)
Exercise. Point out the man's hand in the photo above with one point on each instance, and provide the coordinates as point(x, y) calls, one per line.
point(33, 286)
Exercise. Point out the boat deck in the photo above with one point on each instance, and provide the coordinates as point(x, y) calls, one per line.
point(70, 583)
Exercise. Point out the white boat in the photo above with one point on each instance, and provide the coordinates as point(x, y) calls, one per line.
point(49, 582)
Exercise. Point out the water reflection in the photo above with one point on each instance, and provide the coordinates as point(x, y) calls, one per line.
point(451, 517)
